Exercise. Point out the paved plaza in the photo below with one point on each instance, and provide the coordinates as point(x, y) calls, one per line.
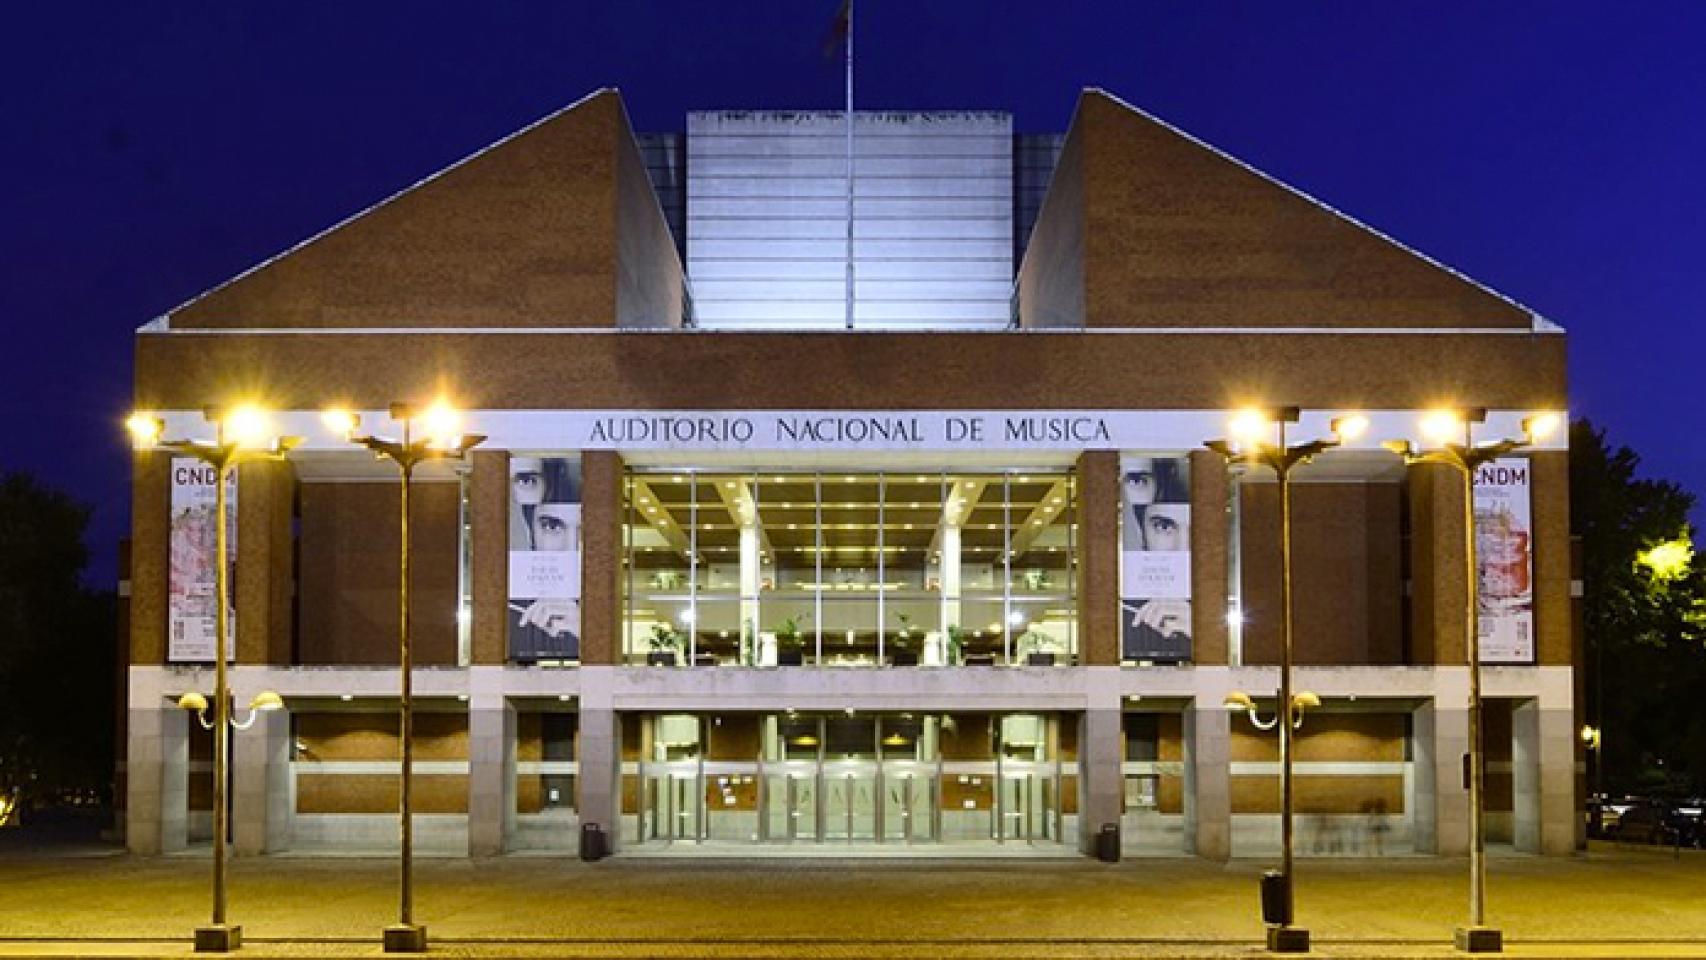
point(1611, 903)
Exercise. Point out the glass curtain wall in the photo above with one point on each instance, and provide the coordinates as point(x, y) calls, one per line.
point(850, 569)
point(851, 777)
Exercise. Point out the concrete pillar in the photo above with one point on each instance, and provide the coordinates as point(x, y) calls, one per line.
point(1422, 803)
point(1543, 771)
point(1437, 598)
point(261, 811)
point(600, 758)
point(1439, 768)
point(491, 766)
point(1098, 548)
point(150, 535)
point(1208, 780)
point(1100, 783)
point(1211, 542)
point(264, 591)
point(602, 485)
point(488, 564)
point(157, 788)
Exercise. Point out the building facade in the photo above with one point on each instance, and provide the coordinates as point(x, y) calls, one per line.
point(752, 561)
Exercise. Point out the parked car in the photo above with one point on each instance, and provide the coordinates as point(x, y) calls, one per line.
point(1688, 823)
point(1644, 821)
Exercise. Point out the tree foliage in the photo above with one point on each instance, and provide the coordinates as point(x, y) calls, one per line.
point(1644, 629)
point(57, 648)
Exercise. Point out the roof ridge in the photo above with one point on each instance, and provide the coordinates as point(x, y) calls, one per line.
point(1536, 320)
point(165, 318)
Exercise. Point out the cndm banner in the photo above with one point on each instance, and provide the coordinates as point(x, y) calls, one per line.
point(191, 583)
point(1504, 555)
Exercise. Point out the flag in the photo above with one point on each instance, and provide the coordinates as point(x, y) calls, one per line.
point(836, 35)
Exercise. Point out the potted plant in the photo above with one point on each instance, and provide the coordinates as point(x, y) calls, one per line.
point(905, 655)
point(664, 641)
point(790, 643)
point(1040, 648)
point(956, 644)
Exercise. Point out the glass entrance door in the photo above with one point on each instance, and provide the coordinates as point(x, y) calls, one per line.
point(850, 800)
point(789, 800)
point(909, 799)
point(1029, 807)
point(673, 807)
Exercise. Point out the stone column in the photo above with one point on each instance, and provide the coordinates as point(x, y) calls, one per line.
point(264, 588)
point(1423, 801)
point(1437, 600)
point(150, 532)
point(488, 567)
point(157, 788)
point(1442, 740)
point(1211, 541)
point(1208, 780)
point(601, 557)
point(1099, 561)
point(1543, 771)
point(491, 765)
point(1099, 778)
point(600, 756)
point(261, 811)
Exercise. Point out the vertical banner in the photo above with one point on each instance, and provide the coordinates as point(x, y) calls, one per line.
point(544, 559)
point(1504, 554)
point(1155, 559)
point(192, 588)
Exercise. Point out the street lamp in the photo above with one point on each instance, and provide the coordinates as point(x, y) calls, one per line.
point(1444, 427)
point(1251, 430)
point(443, 441)
point(241, 435)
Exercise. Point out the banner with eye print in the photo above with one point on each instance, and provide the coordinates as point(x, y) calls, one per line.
point(1155, 559)
point(544, 612)
point(1504, 556)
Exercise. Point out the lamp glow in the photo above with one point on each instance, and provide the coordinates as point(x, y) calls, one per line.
point(245, 425)
point(340, 421)
point(1541, 425)
point(1249, 426)
point(1442, 426)
point(1669, 560)
point(1350, 427)
point(145, 429)
point(192, 701)
point(442, 423)
point(1239, 700)
point(1304, 698)
point(266, 700)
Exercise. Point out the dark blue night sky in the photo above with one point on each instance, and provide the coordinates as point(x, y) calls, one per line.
point(1550, 150)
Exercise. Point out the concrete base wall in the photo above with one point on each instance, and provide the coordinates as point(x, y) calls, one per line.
point(1435, 818)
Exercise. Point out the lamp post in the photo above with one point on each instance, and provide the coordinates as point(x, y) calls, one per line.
point(442, 442)
point(1251, 446)
point(1443, 427)
point(240, 436)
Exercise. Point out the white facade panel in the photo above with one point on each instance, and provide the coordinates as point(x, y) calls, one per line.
point(735, 291)
point(708, 188)
point(932, 220)
point(708, 230)
point(892, 208)
point(835, 268)
point(948, 168)
point(924, 252)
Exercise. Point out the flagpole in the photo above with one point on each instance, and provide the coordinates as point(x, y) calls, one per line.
point(849, 164)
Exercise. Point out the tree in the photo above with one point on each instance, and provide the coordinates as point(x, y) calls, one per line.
point(1644, 618)
point(57, 648)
